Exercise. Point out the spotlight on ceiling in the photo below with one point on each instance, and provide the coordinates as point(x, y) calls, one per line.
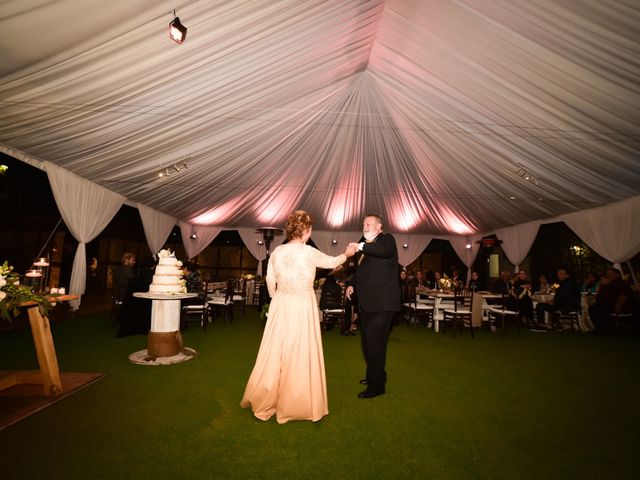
point(177, 31)
point(334, 241)
point(468, 245)
point(405, 245)
point(194, 236)
point(260, 242)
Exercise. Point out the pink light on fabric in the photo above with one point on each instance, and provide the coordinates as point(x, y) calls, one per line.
point(220, 214)
point(344, 202)
point(454, 223)
point(274, 205)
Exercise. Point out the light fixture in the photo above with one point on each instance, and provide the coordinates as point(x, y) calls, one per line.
point(405, 245)
point(176, 167)
point(260, 242)
point(468, 245)
point(177, 31)
point(193, 236)
point(334, 241)
point(528, 176)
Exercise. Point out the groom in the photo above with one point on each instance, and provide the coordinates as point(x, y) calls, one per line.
point(377, 286)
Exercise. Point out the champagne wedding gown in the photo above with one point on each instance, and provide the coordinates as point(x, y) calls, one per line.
point(288, 378)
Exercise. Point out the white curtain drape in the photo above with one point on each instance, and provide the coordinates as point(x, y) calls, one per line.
point(517, 241)
point(612, 231)
point(415, 246)
point(157, 227)
point(467, 255)
point(250, 239)
point(204, 235)
point(86, 208)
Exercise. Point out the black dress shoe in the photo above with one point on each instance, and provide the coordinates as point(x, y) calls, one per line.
point(363, 381)
point(369, 394)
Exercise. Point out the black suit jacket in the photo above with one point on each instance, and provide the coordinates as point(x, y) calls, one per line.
point(377, 282)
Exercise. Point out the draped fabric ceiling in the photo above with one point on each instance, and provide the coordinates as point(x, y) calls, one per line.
point(432, 113)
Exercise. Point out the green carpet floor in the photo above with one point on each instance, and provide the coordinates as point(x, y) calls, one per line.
point(538, 406)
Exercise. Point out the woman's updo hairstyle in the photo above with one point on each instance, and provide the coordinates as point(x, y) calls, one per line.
point(298, 223)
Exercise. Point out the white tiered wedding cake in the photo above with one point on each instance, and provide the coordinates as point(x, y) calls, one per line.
point(168, 276)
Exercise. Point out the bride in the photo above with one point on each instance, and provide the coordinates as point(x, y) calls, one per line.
point(288, 378)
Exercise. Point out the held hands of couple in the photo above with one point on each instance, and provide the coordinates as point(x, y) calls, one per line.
point(351, 250)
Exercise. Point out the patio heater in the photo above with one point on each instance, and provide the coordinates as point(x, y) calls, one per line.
point(268, 234)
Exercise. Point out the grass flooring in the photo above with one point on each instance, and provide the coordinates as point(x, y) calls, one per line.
point(535, 406)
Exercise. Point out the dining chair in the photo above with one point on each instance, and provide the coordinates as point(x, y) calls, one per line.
point(333, 311)
point(460, 315)
point(502, 315)
point(196, 310)
point(415, 309)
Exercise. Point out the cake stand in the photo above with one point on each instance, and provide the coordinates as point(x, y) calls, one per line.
point(164, 342)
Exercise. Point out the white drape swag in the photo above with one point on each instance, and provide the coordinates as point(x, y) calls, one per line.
point(86, 209)
point(340, 107)
point(517, 241)
point(204, 235)
point(250, 239)
point(157, 227)
point(415, 246)
point(612, 231)
point(467, 255)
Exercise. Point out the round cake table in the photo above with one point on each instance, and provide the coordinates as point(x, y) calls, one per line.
point(164, 342)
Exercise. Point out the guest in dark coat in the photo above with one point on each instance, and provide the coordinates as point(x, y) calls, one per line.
point(566, 299)
point(614, 296)
point(134, 316)
point(522, 291)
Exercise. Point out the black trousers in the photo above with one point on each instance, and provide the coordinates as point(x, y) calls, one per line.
point(374, 333)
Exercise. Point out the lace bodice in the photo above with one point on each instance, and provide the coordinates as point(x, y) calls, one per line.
point(292, 267)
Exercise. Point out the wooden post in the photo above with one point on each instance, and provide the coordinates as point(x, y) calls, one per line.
point(46, 352)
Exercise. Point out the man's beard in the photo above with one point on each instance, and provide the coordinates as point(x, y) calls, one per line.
point(369, 236)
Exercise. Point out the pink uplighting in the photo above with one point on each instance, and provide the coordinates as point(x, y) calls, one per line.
point(344, 202)
point(454, 223)
point(274, 205)
point(220, 214)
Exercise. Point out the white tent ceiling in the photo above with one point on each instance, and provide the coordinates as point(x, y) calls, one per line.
point(428, 112)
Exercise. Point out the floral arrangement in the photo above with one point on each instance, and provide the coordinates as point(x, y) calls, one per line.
point(12, 294)
point(444, 282)
point(264, 313)
point(554, 287)
point(166, 253)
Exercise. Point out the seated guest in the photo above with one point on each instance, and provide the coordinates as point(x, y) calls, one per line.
point(192, 278)
point(543, 284)
point(421, 281)
point(522, 290)
point(503, 284)
point(430, 279)
point(566, 299)
point(404, 288)
point(590, 284)
point(474, 283)
point(614, 296)
point(456, 280)
point(331, 294)
point(437, 276)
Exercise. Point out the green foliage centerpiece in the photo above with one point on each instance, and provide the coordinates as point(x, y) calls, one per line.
point(13, 294)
